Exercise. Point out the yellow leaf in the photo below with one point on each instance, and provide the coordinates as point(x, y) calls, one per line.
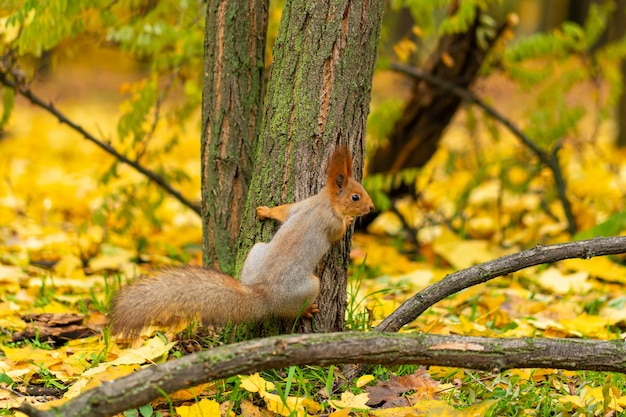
point(290, 405)
point(348, 399)
point(461, 253)
point(73, 284)
point(600, 267)
point(70, 266)
point(152, 350)
point(114, 259)
point(386, 223)
point(445, 372)
point(12, 371)
point(561, 283)
point(191, 393)
point(594, 326)
point(447, 60)
point(594, 396)
point(533, 374)
point(95, 376)
point(404, 48)
point(11, 275)
point(477, 410)
point(204, 408)
point(249, 410)
point(575, 400)
point(28, 355)
point(481, 227)
point(364, 380)
point(254, 383)
point(434, 408)
point(344, 412)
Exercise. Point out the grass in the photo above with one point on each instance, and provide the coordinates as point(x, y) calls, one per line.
point(513, 393)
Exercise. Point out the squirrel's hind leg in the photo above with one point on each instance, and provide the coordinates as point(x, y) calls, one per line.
point(310, 310)
point(312, 307)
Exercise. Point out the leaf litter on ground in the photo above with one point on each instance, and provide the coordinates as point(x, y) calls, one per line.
point(57, 257)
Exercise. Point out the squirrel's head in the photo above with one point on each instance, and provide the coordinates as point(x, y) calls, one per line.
point(348, 197)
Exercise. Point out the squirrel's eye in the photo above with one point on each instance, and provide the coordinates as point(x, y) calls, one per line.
point(355, 197)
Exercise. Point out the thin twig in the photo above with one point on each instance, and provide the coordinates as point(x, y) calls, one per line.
point(551, 161)
point(156, 117)
point(19, 87)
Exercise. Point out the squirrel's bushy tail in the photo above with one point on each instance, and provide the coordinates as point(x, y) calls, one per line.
point(175, 296)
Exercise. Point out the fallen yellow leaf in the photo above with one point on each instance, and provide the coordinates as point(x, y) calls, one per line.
point(151, 351)
point(364, 380)
point(350, 400)
point(204, 408)
point(255, 383)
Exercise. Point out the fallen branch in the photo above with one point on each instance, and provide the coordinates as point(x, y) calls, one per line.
point(478, 274)
point(20, 87)
point(549, 160)
point(483, 353)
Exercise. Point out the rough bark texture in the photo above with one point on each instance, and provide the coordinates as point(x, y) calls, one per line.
point(453, 283)
point(616, 31)
point(318, 95)
point(416, 135)
point(324, 349)
point(231, 110)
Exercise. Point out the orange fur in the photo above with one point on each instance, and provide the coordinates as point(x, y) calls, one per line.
point(278, 213)
point(348, 197)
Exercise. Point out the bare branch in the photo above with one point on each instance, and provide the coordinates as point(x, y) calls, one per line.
point(22, 89)
point(551, 161)
point(478, 274)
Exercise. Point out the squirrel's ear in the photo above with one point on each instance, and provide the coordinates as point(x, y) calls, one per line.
point(339, 168)
point(340, 162)
point(340, 181)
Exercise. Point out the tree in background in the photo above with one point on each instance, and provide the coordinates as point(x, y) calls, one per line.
point(549, 67)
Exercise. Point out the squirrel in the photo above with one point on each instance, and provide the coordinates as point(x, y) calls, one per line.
point(276, 279)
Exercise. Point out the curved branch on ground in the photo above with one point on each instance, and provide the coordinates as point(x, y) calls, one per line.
point(478, 274)
point(325, 349)
point(20, 88)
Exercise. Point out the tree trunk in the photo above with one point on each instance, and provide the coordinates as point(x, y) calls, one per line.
point(416, 135)
point(616, 32)
point(231, 110)
point(318, 95)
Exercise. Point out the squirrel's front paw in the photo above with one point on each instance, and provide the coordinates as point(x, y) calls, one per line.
point(263, 212)
point(310, 310)
point(347, 221)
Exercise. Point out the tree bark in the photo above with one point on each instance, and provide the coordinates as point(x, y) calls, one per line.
point(325, 349)
point(318, 96)
point(616, 32)
point(415, 137)
point(232, 95)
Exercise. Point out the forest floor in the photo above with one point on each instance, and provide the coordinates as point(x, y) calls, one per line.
point(64, 248)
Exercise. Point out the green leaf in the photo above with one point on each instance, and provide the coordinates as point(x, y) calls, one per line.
point(612, 226)
point(6, 379)
point(8, 102)
point(146, 410)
